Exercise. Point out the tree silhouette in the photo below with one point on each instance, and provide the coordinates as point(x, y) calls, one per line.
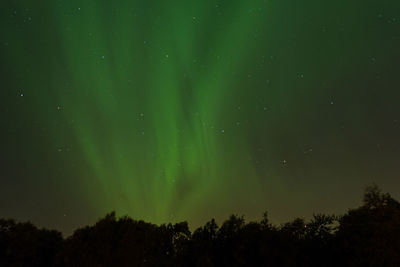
point(366, 236)
point(22, 244)
point(370, 234)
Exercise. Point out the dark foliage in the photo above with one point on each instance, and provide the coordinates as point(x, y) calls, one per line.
point(22, 244)
point(366, 236)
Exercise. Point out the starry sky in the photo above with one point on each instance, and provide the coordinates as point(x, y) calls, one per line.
point(187, 110)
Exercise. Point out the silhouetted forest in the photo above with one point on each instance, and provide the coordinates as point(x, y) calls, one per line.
point(365, 236)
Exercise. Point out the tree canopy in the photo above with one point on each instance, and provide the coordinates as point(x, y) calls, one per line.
point(365, 236)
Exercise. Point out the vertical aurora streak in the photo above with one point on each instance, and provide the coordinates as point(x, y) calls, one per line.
point(156, 97)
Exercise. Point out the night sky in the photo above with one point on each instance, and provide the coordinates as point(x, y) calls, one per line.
point(187, 110)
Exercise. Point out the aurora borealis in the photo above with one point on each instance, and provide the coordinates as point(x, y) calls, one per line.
point(188, 110)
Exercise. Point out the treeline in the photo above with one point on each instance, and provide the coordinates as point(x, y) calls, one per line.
point(365, 236)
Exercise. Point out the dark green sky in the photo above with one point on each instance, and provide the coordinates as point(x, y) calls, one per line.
point(188, 110)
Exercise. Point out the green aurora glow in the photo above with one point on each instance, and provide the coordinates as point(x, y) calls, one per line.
point(188, 110)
